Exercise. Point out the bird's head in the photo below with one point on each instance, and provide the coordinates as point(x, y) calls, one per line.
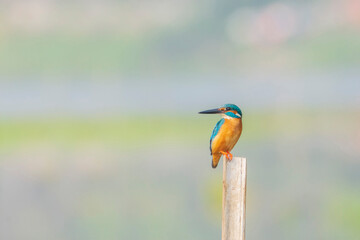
point(227, 110)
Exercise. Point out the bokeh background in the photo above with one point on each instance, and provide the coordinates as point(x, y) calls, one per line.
point(100, 136)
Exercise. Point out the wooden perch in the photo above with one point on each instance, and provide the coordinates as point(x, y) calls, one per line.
point(234, 199)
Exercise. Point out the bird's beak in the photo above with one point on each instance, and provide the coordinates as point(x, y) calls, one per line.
point(212, 111)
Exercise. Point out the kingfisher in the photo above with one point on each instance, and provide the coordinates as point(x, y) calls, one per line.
point(226, 133)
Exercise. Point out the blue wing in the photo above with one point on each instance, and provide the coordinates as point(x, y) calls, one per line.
point(215, 131)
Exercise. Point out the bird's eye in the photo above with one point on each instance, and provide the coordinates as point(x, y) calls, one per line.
point(227, 108)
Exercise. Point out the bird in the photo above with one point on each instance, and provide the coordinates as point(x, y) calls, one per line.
point(226, 133)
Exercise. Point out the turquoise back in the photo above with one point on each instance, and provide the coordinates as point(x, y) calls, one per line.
point(216, 131)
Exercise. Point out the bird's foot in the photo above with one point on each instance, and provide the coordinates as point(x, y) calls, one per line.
point(228, 155)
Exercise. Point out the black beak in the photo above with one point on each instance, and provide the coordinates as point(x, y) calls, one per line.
point(211, 111)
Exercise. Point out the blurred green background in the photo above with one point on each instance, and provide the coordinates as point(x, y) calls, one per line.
point(100, 136)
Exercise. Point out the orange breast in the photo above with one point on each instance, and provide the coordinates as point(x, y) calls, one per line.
point(228, 136)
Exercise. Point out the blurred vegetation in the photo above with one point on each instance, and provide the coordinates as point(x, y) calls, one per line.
point(114, 54)
point(132, 131)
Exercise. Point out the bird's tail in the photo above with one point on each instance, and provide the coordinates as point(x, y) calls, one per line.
point(215, 160)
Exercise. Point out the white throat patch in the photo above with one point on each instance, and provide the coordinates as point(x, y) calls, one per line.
point(228, 117)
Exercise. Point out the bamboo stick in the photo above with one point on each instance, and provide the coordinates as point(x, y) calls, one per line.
point(234, 199)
